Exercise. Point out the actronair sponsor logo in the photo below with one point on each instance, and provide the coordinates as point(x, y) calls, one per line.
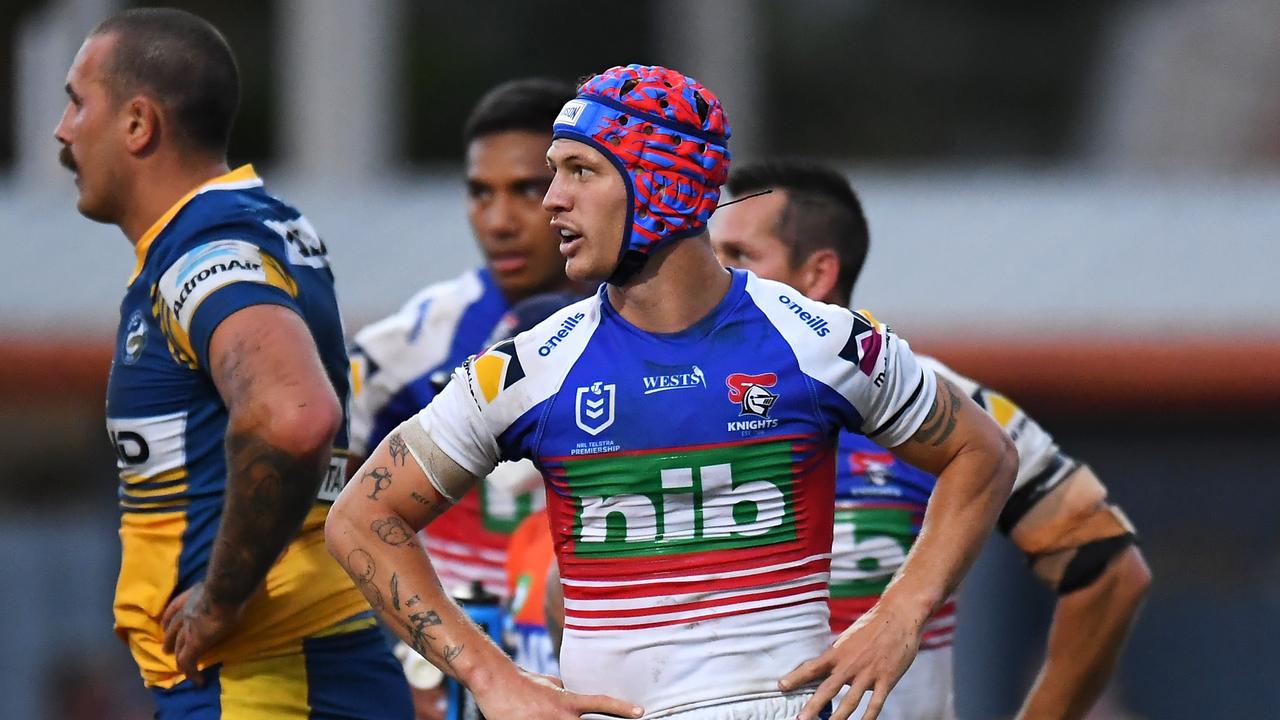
point(817, 323)
point(675, 381)
point(210, 270)
point(566, 327)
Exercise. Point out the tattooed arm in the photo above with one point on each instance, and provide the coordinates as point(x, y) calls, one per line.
point(371, 532)
point(282, 418)
point(975, 463)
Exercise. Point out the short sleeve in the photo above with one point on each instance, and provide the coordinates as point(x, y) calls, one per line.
point(210, 282)
point(455, 423)
point(892, 391)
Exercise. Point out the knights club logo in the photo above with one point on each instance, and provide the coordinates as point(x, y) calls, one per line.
point(593, 409)
point(751, 392)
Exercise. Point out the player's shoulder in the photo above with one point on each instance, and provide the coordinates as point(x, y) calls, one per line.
point(520, 372)
point(818, 331)
point(433, 312)
point(233, 217)
point(942, 370)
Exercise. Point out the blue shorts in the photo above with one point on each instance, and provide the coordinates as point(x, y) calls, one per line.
point(352, 676)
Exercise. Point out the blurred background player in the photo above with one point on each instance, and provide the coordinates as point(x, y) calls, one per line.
point(226, 395)
point(809, 232)
point(401, 362)
point(684, 418)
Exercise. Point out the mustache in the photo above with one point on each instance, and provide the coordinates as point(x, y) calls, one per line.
point(67, 160)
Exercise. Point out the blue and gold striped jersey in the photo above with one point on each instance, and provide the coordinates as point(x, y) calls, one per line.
point(226, 246)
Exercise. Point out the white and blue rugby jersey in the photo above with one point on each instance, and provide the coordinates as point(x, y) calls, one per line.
point(690, 478)
point(226, 246)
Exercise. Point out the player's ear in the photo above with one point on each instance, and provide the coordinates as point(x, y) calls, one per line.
point(142, 123)
point(819, 274)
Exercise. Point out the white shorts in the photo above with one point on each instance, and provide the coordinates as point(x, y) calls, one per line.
point(925, 691)
point(777, 707)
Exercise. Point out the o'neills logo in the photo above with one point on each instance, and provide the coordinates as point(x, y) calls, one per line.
point(817, 323)
point(206, 273)
point(566, 327)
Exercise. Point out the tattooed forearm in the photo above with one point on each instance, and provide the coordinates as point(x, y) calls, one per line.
point(398, 448)
point(417, 625)
point(392, 530)
point(941, 420)
point(361, 567)
point(451, 652)
point(381, 478)
point(268, 494)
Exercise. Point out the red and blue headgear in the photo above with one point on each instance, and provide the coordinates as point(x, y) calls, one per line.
point(668, 136)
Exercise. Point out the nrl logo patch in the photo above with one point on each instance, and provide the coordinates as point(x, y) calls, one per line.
point(594, 406)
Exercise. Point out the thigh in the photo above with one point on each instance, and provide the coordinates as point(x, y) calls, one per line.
point(186, 701)
point(354, 676)
point(348, 676)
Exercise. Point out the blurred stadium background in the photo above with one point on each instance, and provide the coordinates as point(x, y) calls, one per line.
point(1078, 203)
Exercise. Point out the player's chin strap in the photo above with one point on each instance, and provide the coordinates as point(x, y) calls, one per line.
point(633, 261)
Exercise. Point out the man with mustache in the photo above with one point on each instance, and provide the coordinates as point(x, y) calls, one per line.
point(226, 396)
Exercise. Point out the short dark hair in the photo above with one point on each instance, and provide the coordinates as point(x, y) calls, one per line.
point(184, 63)
point(822, 212)
point(524, 104)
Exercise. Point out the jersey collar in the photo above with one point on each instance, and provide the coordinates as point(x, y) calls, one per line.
point(242, 177)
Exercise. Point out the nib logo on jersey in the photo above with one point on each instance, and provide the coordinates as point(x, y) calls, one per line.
point(752, 395)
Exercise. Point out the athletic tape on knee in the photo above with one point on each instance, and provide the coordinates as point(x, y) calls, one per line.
point(1090, 560)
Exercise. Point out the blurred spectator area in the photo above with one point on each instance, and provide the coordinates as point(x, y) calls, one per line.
point(1121, 84)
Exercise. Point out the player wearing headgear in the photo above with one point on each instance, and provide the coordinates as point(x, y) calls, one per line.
point(684, 419)
point(809, 231)
point(225, 401)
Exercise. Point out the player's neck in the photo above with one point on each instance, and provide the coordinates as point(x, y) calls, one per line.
point(679, 286)
point(161, 186)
